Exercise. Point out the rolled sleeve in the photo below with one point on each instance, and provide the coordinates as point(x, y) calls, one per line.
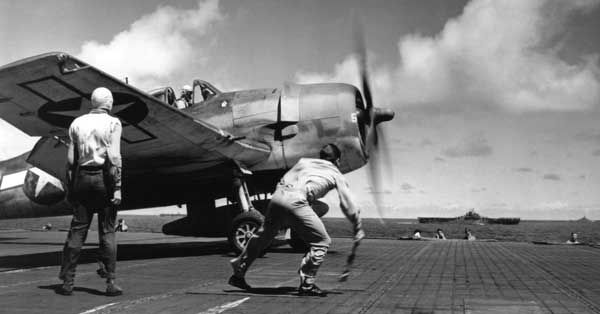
point(114, 147)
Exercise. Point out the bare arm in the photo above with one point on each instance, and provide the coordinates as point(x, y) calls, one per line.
point(71, 162)
point(114, 154)
point(348, 205)
point(114, 157)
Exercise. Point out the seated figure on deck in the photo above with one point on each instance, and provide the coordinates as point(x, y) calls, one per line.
point(416, 235)
point(121, 226)
point(573, 239)
point(469, 235)
point(439, 234)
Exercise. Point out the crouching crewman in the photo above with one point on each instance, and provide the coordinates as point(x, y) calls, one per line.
point(290, 206)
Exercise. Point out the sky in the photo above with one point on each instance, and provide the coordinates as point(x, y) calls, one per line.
point(496, 102)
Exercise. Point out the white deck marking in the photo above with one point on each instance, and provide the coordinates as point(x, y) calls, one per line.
point(224, 307)
point(22, 270)
point(98, 308)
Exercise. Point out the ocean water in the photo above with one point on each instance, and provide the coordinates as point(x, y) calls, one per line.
point(525, 231)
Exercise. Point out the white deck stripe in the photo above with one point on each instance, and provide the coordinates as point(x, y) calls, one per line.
point(22, 270)
point(224, 307)
point(98, 308)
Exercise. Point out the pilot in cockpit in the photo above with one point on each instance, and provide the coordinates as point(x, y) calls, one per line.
point(185, 100)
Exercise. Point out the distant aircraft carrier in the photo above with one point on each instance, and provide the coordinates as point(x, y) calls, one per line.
point(165, 274)
point(471, 217)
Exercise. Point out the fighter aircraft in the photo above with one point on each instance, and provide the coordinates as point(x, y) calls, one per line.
point(233, 145)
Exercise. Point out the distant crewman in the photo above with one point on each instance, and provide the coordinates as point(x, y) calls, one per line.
point(469, 235)
point(121, 226)
point(185, 100)
point(94, 185)
point(416, 235)
point(439, 234)
point(290, 206)
point(573, 239)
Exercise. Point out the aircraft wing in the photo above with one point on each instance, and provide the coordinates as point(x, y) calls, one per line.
point(42, 95)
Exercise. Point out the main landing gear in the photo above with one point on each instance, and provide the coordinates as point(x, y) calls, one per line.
point(246, 224)
point(243, 228)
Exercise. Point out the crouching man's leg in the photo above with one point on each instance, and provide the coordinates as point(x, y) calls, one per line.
point(256, 245)
point(310, 228)
point(308, 269)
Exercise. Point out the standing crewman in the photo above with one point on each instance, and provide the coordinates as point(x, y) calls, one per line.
point(290, 206)
point(94, 185)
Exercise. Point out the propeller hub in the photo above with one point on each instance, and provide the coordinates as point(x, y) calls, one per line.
point(382, 115)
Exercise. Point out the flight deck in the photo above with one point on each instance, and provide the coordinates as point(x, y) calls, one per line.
point(170, 274)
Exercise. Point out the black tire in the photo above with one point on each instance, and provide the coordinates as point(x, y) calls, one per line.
point(297, 244)
point(243, 227)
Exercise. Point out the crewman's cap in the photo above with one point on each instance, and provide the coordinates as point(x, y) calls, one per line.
point(186, 88)
point(102, 98)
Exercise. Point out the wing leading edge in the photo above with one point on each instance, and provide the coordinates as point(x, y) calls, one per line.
point(41, 96)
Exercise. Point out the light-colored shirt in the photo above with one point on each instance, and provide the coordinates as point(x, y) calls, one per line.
point(181, 103)
point(317, 177)
point(96, 136)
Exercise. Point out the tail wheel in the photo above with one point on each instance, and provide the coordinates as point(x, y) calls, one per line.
point(243, 227)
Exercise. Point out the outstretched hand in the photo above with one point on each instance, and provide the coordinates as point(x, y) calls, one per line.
point(116, 199)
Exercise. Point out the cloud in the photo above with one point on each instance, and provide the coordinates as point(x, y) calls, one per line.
point(501, 54)
point(470, 147)
point(552, 177)
point(524, 169)
point(589, 136)
point(407, 187)
point(557, 204)
point(596, 152)
point(439, 159)
point(157, 45)
point(426, 142)
point(372, 191)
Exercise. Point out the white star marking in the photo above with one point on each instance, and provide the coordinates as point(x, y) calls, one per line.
point(43, 179)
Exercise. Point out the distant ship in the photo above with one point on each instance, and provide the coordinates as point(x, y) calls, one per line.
point(471, 217)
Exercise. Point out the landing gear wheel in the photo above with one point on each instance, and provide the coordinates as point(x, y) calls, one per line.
point(297, 244)
point(243, 227)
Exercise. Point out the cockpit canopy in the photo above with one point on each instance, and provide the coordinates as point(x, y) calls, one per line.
point(164, 94)
point(201, 91)
point(204, 91)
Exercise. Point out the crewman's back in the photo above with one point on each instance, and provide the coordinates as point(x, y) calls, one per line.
point(92, 135)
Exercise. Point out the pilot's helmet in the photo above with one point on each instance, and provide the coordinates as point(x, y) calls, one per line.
point(186, 89)
point(102, 98)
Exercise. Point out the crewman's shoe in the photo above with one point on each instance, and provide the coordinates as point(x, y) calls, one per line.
point(311, 291)
point(66, 288)
point(239, 282)
point(112, 290)
point(238, 267)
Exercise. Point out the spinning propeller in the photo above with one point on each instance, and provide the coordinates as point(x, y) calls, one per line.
point(370, 117)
